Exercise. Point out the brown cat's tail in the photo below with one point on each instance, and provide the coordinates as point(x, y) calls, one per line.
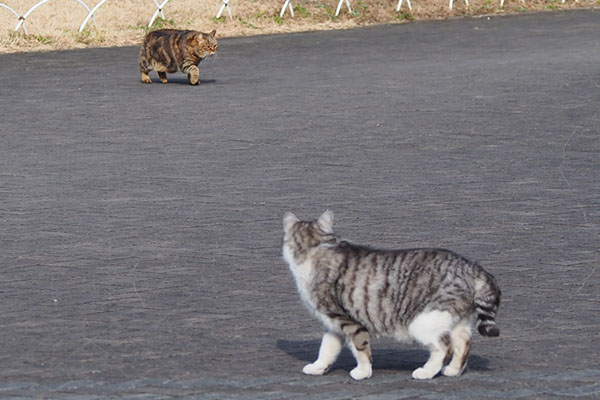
point(487, 301)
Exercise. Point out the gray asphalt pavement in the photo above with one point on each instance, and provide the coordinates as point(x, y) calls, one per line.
point(140, 225)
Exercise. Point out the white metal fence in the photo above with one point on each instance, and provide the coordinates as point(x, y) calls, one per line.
point(21, 18)
point(222, 4)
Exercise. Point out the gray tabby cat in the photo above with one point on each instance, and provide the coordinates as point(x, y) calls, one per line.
point(431, 296)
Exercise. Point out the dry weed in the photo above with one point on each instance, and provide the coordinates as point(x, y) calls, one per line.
point(55, 24)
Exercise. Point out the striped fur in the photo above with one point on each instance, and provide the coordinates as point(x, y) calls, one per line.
point(432, 296)
point(167, 50)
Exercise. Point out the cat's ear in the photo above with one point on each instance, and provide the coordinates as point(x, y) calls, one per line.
point(289, 220)
point(325, 221)
point(213, 33)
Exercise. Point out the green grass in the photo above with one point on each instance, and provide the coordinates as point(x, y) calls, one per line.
point(159, 23)
point(247, 23)
point(220, 19)
point(89, 37)
point(359, 8)
point(162, 23)
point(303, 12)
point(42, 39)
point(328, 11)
point(405, 16)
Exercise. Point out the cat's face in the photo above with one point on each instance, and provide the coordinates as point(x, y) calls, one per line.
point(206, 44)
point(299, 235)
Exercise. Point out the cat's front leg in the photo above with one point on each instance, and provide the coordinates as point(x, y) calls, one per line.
point(144, 69)
point(162, 76)
point(331, 345)
point(193, 74)
point(145, 77)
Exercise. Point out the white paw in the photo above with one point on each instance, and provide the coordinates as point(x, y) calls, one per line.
point(363, 372)
point(314, 369)
point(422, 373)
point(451, 371)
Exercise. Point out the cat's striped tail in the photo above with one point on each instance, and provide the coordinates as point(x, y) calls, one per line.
point(487, 301)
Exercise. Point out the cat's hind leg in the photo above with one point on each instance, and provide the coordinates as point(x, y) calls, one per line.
point(163, 76)
point(331, 345)
point(461, 345)
point(358, 341)
point(432, 329)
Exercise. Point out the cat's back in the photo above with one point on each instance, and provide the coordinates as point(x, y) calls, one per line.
point(416, 255)
point(166, 36)
point(438, 262)
point(167, 32)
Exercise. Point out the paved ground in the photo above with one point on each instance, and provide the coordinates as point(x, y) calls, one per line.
point(141, 224)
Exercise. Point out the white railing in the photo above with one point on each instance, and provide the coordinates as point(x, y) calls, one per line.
point(466, 2)
point(224, 6)
point(91, 14)
point(91, 11)
point(159, 10)
point(16, 15)
point(21, 18)
point(287, 5)
point(400, 5)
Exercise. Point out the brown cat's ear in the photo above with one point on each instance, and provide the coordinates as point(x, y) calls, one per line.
point(213, 33)
point(289, 220)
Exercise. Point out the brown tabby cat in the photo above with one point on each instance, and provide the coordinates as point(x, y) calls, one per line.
point(167, 50)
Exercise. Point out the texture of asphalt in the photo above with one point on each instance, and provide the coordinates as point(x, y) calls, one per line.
point(140, 225)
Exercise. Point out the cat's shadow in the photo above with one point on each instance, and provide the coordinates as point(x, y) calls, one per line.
point(383, 358)
point(183, 81)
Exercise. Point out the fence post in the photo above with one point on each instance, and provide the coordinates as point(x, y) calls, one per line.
point(16, 15)
point(91, 15)
point(224, 6)
point(400, 5)
point(24, 17)
point(288, 4)
point(466, 2)
point(339, 7)
point(159, 8)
